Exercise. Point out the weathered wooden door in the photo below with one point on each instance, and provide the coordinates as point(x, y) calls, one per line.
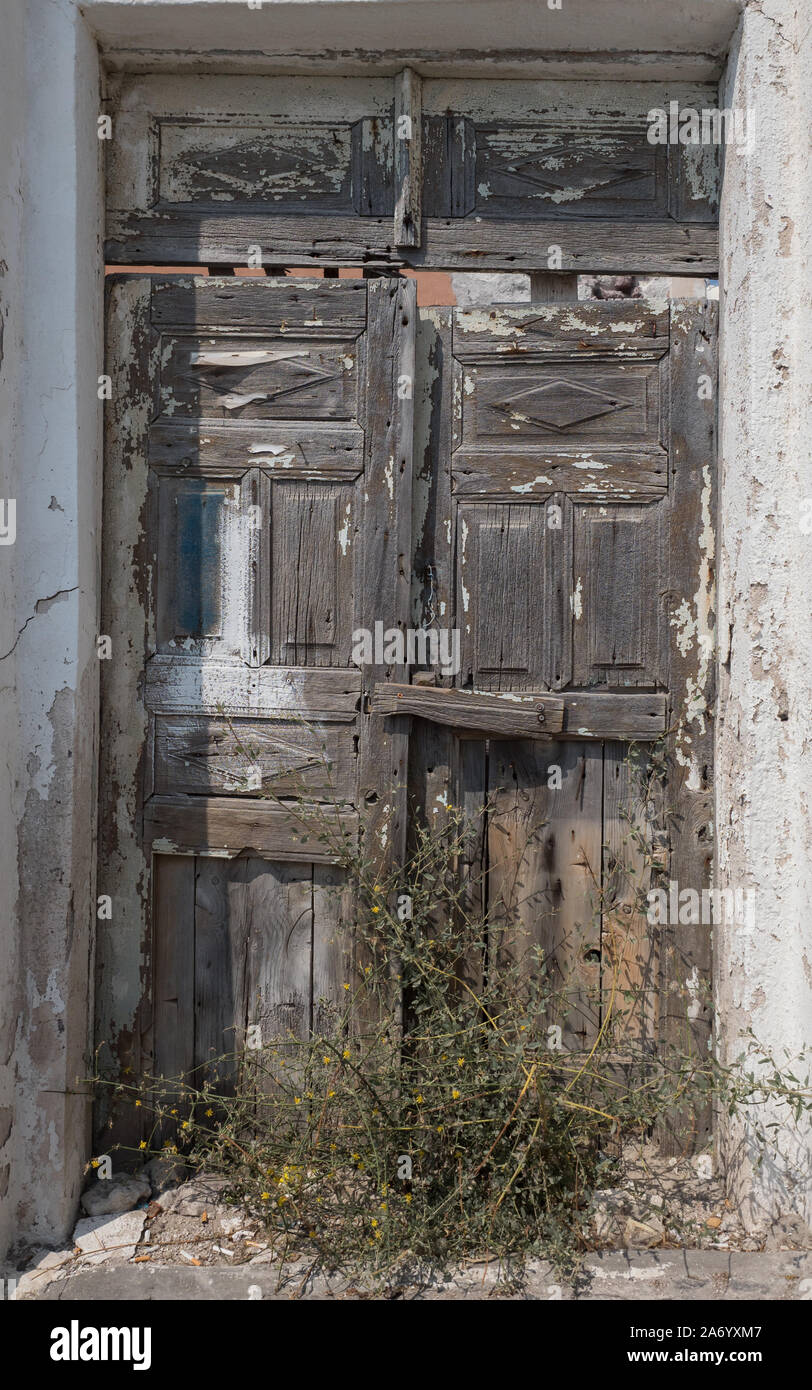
point(257, 513)
point(566, 461)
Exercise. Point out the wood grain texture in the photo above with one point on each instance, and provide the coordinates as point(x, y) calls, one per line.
point(228, 825)
point(594, 246)
point(386, 576)
point(249, 757)
point(594, 474)
point(633, 827)
point(461, 709)
point(181, 685)
point(544, 879)
point(408, 158)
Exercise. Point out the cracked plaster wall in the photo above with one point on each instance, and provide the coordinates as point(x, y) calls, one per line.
point(764, 730)
point(50, 308)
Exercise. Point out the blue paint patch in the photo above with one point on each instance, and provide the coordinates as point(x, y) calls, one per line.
point(199, 513)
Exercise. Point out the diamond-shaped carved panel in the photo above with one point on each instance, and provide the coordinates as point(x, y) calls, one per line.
point(557, 405)
point(618, 402)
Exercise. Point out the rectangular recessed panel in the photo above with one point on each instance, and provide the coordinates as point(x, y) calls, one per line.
point(572, 170)
point(500, 584)
point(232, 378)
point(275, 163)
point(554, 403)
point(199, 564)
point(616, 595)
point(615, 581)
point(210, 756)
point(198, 561)
point(311, 574)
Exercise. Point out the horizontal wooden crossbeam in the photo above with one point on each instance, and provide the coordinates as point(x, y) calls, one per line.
point(527, 715)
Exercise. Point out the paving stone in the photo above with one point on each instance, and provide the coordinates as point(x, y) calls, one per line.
point(105, 1238)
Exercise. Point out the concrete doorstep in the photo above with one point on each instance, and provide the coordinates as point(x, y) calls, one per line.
point(669, 1275)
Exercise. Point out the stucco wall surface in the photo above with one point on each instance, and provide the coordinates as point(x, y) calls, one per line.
point(50, 293)
point(764, 732)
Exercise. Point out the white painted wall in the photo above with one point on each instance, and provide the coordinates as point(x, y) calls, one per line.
point(764, 742)
point(50, 432)
point(12, 108)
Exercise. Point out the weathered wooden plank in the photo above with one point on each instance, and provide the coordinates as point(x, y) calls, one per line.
point(449, 166)
point(296, 451)
point(253, 757)
point(173, 972)
point(383, 770)
point(691, 608)
point(633, 717)
point(224, 826)
point(596, 246)
point(408, 158)
point(372, 177)
point(471, 769)
point(544, 877)
point(577, 714)
point(279, 970)
point(177, 685)
point(636, 330)
point(553, 287)
point(589, 247)
point(220, 947)
point(432, 507)
point(633, 824)
point(521, 715)
point(594, 474)
point(334, 925)
point(321, 308)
